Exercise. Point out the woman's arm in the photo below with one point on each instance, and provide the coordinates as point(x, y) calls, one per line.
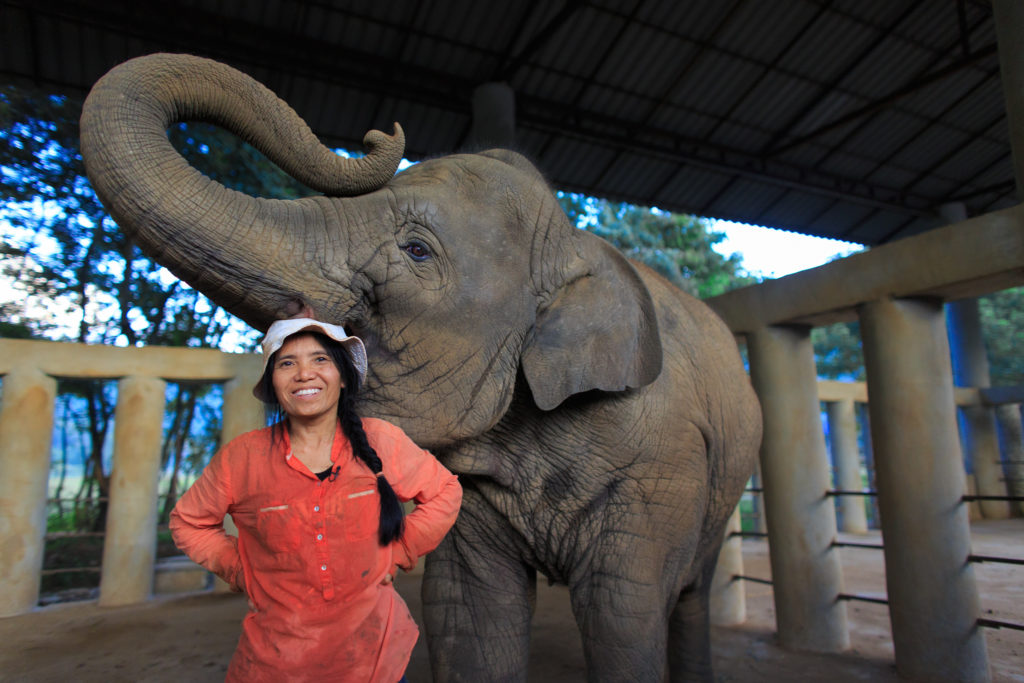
point(416, 475)
point(197, 523)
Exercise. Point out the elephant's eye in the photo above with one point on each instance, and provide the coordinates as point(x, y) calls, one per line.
point(417, 250)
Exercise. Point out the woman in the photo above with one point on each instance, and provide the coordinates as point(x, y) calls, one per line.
point(316, 499)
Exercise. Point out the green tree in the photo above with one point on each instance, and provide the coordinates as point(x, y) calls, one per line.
point(837, 352)
point(678, 246)
point(63, 252)
point(1002, 324)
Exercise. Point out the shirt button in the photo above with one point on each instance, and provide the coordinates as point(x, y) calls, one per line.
point(316, 508)
point(319, 537)
point(323, 567)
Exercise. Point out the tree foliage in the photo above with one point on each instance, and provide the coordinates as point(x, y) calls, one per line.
point(1002, 324)
point(678, 246)
point(837, 352)
point(69, 261)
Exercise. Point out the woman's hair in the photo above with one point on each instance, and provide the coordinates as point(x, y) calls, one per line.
point(392, 518)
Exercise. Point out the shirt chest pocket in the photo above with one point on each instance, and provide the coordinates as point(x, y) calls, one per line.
point(278, 527)
point(358, 512)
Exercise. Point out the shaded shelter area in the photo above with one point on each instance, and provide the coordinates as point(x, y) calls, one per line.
point(851, 119)
point(855, 120)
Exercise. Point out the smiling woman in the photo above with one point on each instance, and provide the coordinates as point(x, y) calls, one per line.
point(317, 502)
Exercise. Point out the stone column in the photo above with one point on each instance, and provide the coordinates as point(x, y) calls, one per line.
point(970, 369)
point(801, 517)
point(129, 551)
point(933, 600)
point(842, 429)
point(243, 413)
point(871, 502)
point(728, 597)
point(26, 426)
point(1010, 427)
point(757, 501)
point(1009, 24)
point(494, 116)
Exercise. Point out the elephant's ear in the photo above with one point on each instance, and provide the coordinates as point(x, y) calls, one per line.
point(599, 331)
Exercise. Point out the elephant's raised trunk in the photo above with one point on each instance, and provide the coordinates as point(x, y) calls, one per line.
point(222, 242)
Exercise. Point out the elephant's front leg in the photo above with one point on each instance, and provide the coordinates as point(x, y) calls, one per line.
point(620, 609)
point(477, 601)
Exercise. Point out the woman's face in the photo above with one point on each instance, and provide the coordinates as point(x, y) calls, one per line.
point(306, 380)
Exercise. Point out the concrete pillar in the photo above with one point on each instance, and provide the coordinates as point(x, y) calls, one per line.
point(1009, 23)
point(494, 116)
point(26, 426)
point(871, 502)
point(757, 501)
point(980, 437)
point(728, 597)
point(242, 413)
point(801, 518)
point(129, 550)
point(1010, 428)
point(933, 600)
point(842, 430)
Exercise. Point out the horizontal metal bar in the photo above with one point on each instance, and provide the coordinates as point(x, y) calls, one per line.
point(1006, 498)
point(99, 499)
point(73, 534)
point(995, 623)
point(740, 577)
point(989, 558)
point(836, 492)
point(863, 598)
point(749, 534)
point(850, 544)
point(69, 570)
point(753, 490)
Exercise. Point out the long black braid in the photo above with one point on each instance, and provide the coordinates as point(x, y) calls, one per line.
point(392, 515)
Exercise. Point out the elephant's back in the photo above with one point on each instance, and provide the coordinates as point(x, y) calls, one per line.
point(704, 381)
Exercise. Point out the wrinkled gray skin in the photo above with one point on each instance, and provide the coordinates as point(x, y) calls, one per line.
point(599, 419)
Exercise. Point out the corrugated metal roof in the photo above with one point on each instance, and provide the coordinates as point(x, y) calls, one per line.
point(852, 119)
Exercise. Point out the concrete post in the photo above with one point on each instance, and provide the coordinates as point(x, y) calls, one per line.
point(129, 551)
point(970, 369)
point(801, 517)
point(842, 430)
point(933, 600)
point(728, 597)
point(871, 502)
point(26, 426)
point(757, 501)
point(243, 413)
point(1010, 427)
point(494, 116)
point(1009, 23)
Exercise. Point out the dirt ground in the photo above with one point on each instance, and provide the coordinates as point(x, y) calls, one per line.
point(191, 638)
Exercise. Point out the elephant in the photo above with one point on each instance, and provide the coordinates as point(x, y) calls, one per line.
point(600, 420)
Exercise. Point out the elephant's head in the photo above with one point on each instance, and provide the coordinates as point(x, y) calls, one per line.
point(456, 272)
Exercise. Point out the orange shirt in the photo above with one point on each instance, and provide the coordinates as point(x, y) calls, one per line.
point(309, 555)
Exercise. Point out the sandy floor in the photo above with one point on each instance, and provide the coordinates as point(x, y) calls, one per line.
point(191, 638)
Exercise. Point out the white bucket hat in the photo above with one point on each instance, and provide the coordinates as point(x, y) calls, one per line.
point(282, 329)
